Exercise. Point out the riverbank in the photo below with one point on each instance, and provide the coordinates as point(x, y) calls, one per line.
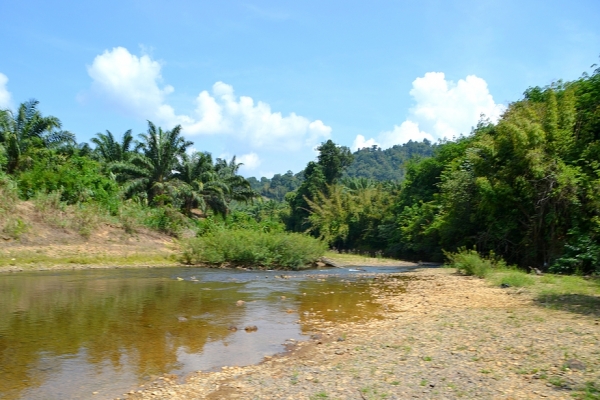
point(111, 249)
point(443, 335)
point(55, 239)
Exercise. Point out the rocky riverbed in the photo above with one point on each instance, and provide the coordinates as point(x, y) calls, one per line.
point(444, 336)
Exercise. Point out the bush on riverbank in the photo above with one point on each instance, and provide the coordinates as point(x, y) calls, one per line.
point(253, 249)
point(469, 262)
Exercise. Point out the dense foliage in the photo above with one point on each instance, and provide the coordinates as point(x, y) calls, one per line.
point(253, 249)
point(526, 188)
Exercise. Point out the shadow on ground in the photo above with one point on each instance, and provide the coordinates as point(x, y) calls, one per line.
point(576, 303)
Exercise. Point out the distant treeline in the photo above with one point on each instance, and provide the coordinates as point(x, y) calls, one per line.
point(370, 163)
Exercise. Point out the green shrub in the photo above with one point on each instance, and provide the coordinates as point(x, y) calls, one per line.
point(581, 255)
point(238, 220)
point(166, 219)
point(253, 249)
point(78, 179)
point(470, 262)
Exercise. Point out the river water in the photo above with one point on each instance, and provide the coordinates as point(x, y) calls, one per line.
point(67, 334)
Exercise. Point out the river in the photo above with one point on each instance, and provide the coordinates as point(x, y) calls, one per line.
point(100, 333)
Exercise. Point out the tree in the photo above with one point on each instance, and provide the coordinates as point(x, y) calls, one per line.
point(151, 170)
point(348, 217)
point(109, 150)
point(237, 187)
point(200, 185)
point(25, 129)
point(333, 159)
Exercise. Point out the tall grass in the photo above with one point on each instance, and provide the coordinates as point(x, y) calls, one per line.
point(253, 249)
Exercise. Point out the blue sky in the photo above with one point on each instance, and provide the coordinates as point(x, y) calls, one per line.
point(269, 80)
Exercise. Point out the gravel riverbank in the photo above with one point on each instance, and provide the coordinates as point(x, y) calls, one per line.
point(443, 336)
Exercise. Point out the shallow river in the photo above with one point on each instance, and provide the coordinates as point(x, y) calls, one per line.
point(67, 334)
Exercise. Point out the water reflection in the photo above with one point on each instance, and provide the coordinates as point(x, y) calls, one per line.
point(68, 334)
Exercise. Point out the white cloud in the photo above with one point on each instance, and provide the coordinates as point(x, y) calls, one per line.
point(443, 109)
point(5, 97)
point(360, 142)
point(251, 162)
point(224, 113)
point(134, 85)
point(408, 130)
point(130, 83)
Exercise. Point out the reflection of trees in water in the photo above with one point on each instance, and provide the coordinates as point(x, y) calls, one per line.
point(48, 316)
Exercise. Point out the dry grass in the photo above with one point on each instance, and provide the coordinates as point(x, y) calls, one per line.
point(39, 259)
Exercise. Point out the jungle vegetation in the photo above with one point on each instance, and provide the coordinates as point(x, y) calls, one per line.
point(525, 188)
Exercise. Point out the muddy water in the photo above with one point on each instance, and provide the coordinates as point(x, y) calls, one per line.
point(68, 334)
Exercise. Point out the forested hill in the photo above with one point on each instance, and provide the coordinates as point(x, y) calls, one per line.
point(386, 165)
point(369, 162)
point(277, 187)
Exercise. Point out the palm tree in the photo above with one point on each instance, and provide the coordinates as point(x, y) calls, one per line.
point(28, 128)
point(110, 150)
point(201, 186)
point(238, 187)
point(152, 169)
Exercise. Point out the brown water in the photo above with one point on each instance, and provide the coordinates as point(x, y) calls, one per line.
point(67, 334)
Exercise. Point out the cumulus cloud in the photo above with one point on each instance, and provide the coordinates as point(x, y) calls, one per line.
point(130, 83)
point(135, 85)
point(360, 142)
point(224, 113)
point(5, 97)
point(251, 162)
point(443, 109)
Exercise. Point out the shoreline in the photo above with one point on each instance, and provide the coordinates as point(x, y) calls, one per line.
point(166, 259)
point(443, 335)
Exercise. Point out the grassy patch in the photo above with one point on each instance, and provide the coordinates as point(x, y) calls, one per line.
point(570, 293)
point(591, 391)
point(511, 277)
point(251, 248)
point(563, 292)
point(33, 260)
